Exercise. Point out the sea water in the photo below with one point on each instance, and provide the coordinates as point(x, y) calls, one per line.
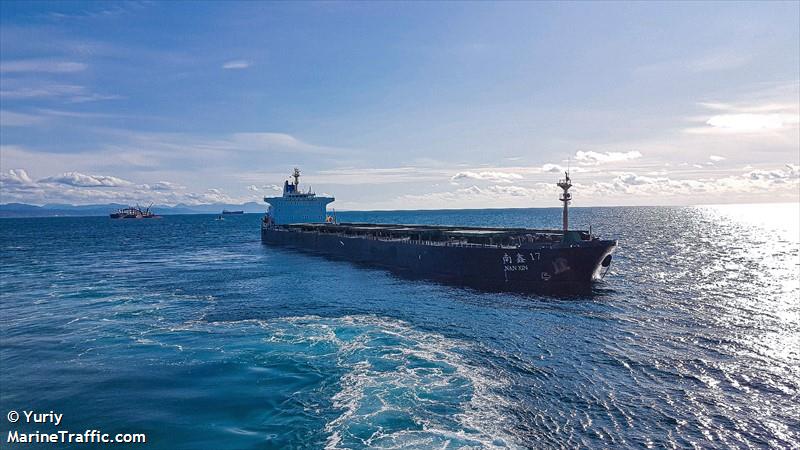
point(191, 331)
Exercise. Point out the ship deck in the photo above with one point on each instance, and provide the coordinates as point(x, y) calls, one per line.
point(442, 235)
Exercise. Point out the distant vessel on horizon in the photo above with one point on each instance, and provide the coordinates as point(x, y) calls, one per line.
point(497, 259)
point(225, 211)
point(134, 212)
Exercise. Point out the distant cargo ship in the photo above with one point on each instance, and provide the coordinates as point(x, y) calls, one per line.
point(132, 212)
point(225, 211)
point(504, 259)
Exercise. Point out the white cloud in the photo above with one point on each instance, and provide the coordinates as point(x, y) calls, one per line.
point(791, 171)
point(514, 191)
point(552, 168)
point(209, 196)
point(470, 197)
point(716, 158)
point(266, 187)
point(772, 185)
point(636, 180)
point(767, 107)
point(655, 187)
point(237, 64)
point(491, 176)
point(41, 65)
point(753, 118)
point(658, 187)
point(591, 157)
point(162, 186)
point(82, 180)
point(749, 122)
point(77, 188)
point(18, 177)
point(185, 158)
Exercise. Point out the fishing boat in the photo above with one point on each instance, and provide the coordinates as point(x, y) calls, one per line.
point(134, 212)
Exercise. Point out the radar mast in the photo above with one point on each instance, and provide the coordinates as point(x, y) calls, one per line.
point(296, 176)
point(565, 184)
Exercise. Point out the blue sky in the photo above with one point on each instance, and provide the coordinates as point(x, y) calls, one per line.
point(400, 105)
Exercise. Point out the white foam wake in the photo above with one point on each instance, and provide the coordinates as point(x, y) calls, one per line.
point(400, 387)
point(406, 388)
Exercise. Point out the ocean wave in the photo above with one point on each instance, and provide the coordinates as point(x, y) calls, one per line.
point(399, 387)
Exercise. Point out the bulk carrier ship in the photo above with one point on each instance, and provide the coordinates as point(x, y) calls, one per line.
point(495, 259)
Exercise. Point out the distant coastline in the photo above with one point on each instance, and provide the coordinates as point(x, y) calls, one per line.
point(10, 210)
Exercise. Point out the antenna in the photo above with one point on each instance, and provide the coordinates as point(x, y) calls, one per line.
point(296, 175)
point(565, 184)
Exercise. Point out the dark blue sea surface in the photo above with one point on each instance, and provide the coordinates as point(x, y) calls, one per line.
point(190, 330)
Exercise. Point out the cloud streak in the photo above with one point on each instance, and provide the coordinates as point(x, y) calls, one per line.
point(70, 92)
point(41, 66)
point(491, 176)
point(593, 158)
point(237, 64)
point(753, 118)
point(15, 119)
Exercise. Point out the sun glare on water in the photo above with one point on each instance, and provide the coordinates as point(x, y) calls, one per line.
point(765, 239)
point(781, 218)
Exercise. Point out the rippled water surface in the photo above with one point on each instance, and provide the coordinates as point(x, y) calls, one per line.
point(192, 331)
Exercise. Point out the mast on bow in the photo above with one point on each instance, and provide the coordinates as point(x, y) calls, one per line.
point(565, 184)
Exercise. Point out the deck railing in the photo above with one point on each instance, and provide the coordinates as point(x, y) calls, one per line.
point(409, 240)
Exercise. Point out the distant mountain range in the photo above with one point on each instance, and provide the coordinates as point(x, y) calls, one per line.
point(63, 210)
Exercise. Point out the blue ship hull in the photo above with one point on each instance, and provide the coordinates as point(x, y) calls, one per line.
point(554, 267)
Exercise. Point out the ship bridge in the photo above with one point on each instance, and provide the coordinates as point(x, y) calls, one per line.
point(296, 206)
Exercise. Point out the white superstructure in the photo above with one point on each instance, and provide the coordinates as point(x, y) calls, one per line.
point(295, 206)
